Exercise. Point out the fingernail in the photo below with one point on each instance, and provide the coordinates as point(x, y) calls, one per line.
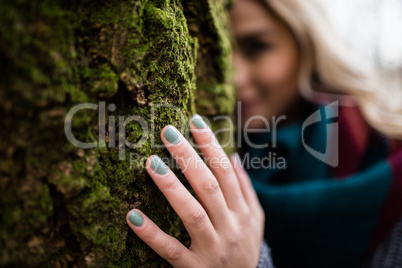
point(172, 135)
point(197, 121)
point(159, 166)
point(135, 218)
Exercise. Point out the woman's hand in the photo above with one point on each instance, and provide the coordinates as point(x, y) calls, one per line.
point(225, 222)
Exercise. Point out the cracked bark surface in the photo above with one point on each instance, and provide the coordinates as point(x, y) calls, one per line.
point(62, 206)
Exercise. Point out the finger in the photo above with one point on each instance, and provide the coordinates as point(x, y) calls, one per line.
point(193, 215)
point(163, 244)
point(219, 163)
point(245, 184)
point(198, 175)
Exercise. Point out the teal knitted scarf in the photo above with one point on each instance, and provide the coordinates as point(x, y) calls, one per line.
point(318, 215)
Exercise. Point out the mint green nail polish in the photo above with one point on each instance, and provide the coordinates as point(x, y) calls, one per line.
point(159, 166)
point(135, 218)
point(172, 135)
point(198, 122)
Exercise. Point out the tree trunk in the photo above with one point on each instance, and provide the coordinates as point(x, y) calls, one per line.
point(65, 206)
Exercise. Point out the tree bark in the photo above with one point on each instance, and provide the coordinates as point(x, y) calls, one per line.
point(65, 206)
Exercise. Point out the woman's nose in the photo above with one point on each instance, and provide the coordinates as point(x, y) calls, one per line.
point(240, 70)
point(242, 75)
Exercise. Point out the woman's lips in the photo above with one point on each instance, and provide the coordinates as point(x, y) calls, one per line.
point(248, 107)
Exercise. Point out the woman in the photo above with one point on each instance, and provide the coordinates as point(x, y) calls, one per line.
point(320, 212)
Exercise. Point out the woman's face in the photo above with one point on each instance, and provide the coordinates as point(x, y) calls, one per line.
point(266, 60)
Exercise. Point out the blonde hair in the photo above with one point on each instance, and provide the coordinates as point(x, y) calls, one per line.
point(341, 76)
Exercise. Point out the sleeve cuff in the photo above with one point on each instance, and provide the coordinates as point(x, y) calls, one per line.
point(265, 257)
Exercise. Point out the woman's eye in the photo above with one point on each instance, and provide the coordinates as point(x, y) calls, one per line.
point(253, 50)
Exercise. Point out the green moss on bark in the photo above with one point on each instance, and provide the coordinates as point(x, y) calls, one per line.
point(64, 206)
point(209, 22)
